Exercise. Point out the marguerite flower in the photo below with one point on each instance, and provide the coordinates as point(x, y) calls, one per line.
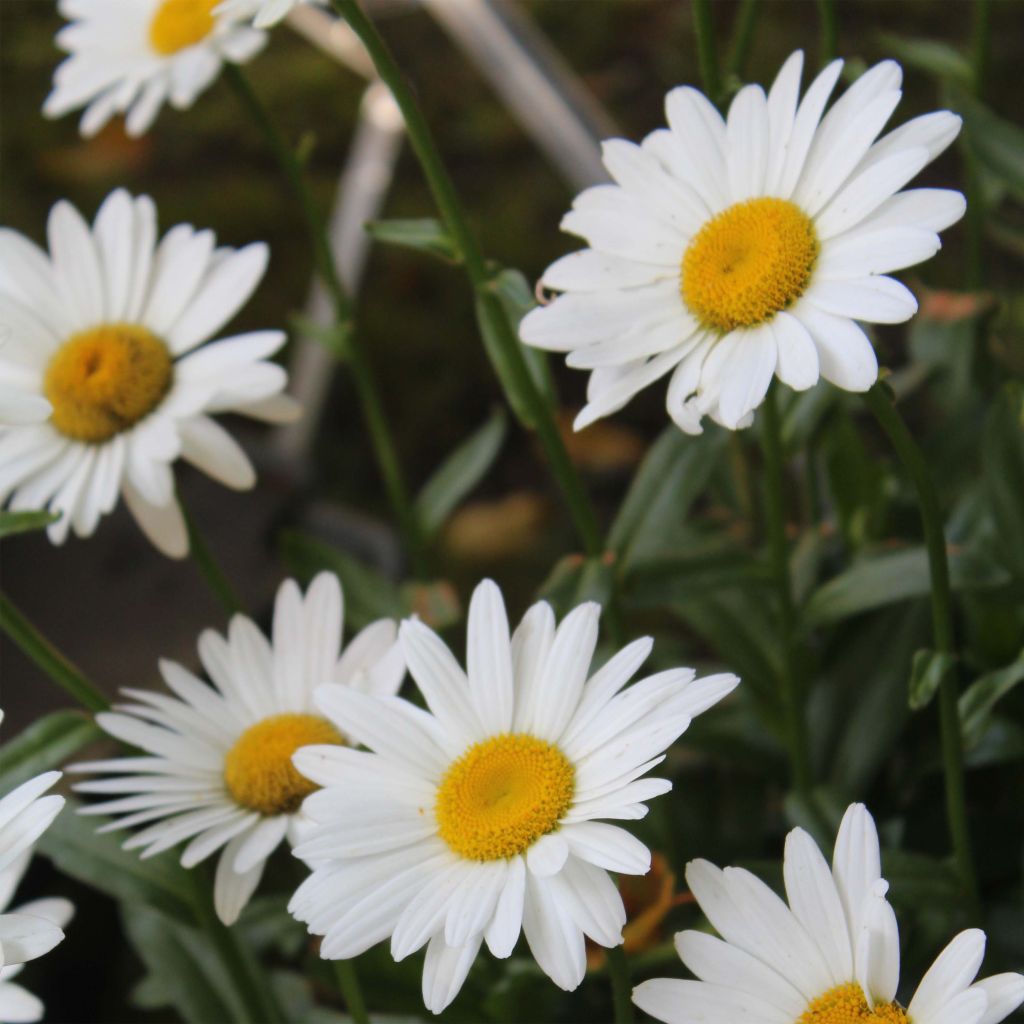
point(17, 1005)
point(219, 772)
point(478, 818)
point(264, 13)
point(129, 57)
point(731, 250)
point(831, 957)
point(107, 329)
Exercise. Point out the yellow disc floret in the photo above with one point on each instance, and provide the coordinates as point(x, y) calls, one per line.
point(846, 1005)
point(748, 263)
point(105, 380)
point(502, 795)
point(258, 770)
point(177, 24)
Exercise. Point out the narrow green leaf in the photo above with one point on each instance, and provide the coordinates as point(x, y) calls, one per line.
point(927, 671)
point(930, 56)
point(980, 698)
point(686, 576)
point(576, 579)
point(997, 144)
point(1003, 466)
point(461, 472)
point(423, 234)
point(24, 522)
point(46, 744)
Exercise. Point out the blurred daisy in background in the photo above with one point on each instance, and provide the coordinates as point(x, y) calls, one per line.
point(218, 770)
point(130, 58)
point(729, 251)
point(263, 13)
point(831, 957)
point(477, 819)
point(109, 329)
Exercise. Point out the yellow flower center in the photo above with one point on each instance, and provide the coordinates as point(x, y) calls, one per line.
point(502, 795)
point(846, 1005)
point(178, 24)
point(105, 380)
point(258, 770)
point(748, 263)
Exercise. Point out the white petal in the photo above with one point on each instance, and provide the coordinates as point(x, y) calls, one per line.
point(555, 940)
point(1005, 992)
point(232, 889)
point(797, 363)
point(880, 300)
point(489, 658)
point(444, 971)
point(952, 973)
point(845, 355)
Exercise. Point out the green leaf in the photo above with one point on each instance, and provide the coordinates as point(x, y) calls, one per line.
point(334, 336)
point(75, 848)
point(676, 577)
point(424, 235)
point(1003, 466)
point(184, 970)
point(887, 579)
point(980, 698)
point(997, 144)
point(672, 476)
point(927, 671)
point(930, 56)
point(576, 579)
point(368, 594)
point(46, 744)
point(461, 472)
point(24, 522)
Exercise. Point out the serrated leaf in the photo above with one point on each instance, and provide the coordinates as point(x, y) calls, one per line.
point(978, 701)
point(46, 744)
point(927, 671)
point(25, 522)
point(423, 234)
point(460, 472)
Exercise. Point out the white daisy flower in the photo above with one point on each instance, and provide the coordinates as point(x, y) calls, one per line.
point(130, 56)
point(219, 771)
point(17, 1005)
point(107, 329)
point(477, 818)
point(263, 13)
point(25, 814)
point(831, 957)
point(731, 250)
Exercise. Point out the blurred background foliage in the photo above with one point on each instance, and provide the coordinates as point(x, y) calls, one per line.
point(685, 515)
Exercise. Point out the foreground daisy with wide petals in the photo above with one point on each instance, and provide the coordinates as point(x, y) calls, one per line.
point(478, 818)
point(219, 772)
point(831, 957)
point(107, 332)
point(17, 1005)
point(132, 57)
point(263, 13)
point(731, 250)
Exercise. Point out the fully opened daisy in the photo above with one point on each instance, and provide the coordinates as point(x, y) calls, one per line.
point(107, 332)
point(476, 819)
point(831, 956)
point(731, 250)
point(132, 57)
point(218, 771)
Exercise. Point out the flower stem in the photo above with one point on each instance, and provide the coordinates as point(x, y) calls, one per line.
point(348, 984)
point(491, 311)
point(385, 450)
point(215, 578)
point(707, 53)
point(792, 685)
point(48, 658)
point(618, 972)
point(883, 409)
point(829, 30)
point(743, 36)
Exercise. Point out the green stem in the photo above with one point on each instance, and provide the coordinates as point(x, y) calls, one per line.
point(775, 517)
point(829, 30)
point(385, 450)
point(707, 53)
point(348, 983)
point(249, 981)
point(890, 420)
point(215, 578)
point(490, 309)
point(618, 972)
point(48, 658)
point(981, 39)
point(743, 36)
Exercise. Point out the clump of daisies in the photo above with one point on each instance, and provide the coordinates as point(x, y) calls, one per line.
point(731, 250)
point(104, 341)
point(479, 818)
point(130, 58)
point(217, 772)
point(832, 956)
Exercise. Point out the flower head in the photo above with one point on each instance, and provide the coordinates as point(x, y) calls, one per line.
point(263, 13)
point(729, 251)
point(106, 332)
point(219, 774)
point(478, 818)
point(129, 58)
point(831, 956)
